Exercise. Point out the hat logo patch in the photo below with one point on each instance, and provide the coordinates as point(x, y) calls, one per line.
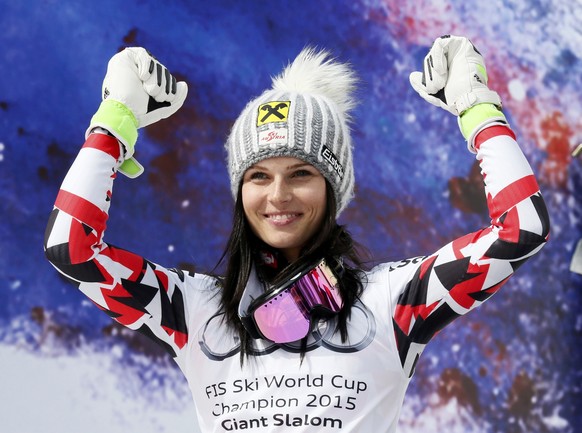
point(274, 111)
point(330, 157)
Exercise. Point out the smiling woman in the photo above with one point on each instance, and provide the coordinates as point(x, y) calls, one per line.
point(336, 343)
point(284, 201)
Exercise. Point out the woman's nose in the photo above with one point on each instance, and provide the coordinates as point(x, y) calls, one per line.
point(280, 191)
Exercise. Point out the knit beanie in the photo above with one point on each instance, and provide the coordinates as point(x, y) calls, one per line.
point(306, 115)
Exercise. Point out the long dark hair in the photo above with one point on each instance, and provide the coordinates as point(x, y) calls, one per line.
point(332, 242)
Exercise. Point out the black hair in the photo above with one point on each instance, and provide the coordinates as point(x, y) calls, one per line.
point(332, 242)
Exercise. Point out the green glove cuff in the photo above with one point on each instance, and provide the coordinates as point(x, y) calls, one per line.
point(477, 115)
point(476, 118)
point(119, 121)
point(131, 168)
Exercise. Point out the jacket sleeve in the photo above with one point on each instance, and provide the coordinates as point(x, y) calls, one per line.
point(435, 290)
point(135, 292)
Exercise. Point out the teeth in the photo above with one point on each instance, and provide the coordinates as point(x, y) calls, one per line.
point(282, 217)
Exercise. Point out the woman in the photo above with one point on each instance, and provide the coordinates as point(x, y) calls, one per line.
point(322, 343)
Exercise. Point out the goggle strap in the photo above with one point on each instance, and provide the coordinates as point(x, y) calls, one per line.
point(249, 324)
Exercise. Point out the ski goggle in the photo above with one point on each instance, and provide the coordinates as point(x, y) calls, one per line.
point(283, 313)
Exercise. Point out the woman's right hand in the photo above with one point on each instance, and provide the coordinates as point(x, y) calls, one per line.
point(137, 91)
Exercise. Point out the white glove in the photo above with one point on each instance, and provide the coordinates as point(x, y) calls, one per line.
point(454, 76)
point(137, 91)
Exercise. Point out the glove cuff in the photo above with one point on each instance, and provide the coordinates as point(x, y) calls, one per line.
point(131, 168)
point(119, 121)
point(473, 120)
point(475, 97)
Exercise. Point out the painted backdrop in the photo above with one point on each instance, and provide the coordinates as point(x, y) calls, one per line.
point(512, 366)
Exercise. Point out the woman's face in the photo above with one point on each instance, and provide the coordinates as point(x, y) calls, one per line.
point(284, 201)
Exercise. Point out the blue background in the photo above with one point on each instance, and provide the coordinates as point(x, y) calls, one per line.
point(511, 366)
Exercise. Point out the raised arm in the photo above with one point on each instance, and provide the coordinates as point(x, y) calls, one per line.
point(137, 91)
point(463, 274)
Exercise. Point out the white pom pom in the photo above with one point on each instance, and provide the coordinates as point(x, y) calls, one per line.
point(316, 72)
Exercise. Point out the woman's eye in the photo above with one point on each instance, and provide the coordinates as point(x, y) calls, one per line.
point(257, 175)
point(302, 173)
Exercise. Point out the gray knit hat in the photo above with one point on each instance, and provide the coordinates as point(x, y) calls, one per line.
point(304, 115)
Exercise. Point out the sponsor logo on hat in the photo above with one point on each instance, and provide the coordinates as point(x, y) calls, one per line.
point(329, 156)
point(273, 137)
point(274, 111)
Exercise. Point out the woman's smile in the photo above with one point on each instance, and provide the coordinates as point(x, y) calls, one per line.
point(283, 219)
